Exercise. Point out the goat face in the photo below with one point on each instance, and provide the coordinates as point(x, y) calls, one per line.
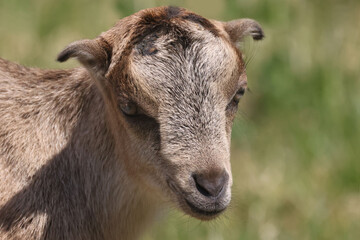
point(172, 80)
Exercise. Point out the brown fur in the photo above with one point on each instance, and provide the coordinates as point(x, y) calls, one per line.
point(74, 165)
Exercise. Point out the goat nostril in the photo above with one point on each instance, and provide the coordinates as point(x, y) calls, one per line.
point(210, 186)
point(201, 189)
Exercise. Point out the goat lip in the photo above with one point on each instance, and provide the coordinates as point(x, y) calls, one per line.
point(196, 211)
point(203, 212)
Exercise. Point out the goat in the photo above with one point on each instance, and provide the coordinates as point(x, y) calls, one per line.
point(94, 152)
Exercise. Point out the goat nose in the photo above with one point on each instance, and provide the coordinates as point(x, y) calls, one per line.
point(211, 185)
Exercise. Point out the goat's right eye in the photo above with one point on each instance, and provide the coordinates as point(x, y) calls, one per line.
point(129, 108)
point(238, 95)
point(232, 106)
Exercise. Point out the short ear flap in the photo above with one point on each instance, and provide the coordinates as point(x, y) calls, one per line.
point(240, 28)
point(95, 54)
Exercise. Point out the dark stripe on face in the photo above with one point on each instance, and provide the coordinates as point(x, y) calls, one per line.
point(165, 21)
point(153, 25)
point(203, 22)
point(176, 12)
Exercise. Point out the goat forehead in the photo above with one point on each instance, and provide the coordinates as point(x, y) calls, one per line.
point(165, 67)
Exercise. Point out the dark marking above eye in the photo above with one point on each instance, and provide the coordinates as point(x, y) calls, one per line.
point(147, 50)
point(147, 45)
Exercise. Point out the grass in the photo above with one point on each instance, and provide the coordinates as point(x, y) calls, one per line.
point(295, 153)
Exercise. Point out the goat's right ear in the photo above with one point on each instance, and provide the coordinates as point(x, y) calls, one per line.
point(94, 54)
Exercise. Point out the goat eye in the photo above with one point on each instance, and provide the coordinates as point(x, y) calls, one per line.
point(129, 108)
point(238, 95)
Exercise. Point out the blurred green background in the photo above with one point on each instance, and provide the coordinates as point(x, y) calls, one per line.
point(296, 141)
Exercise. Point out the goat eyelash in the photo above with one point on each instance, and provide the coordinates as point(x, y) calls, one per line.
point(238, 95)
point(232, 105)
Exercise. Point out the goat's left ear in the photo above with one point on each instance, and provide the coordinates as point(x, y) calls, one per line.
point(94, 54)
point(240, 28)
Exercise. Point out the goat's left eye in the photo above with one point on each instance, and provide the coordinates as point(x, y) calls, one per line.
point(129, 108)
point(238, 95)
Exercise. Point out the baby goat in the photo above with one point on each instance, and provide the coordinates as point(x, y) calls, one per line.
point(94, 152)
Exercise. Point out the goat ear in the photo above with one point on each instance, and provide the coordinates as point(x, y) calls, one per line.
point(240, 28)
point(94, 54)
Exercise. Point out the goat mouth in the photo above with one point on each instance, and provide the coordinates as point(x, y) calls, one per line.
point(208, 213)
point(192, 208)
